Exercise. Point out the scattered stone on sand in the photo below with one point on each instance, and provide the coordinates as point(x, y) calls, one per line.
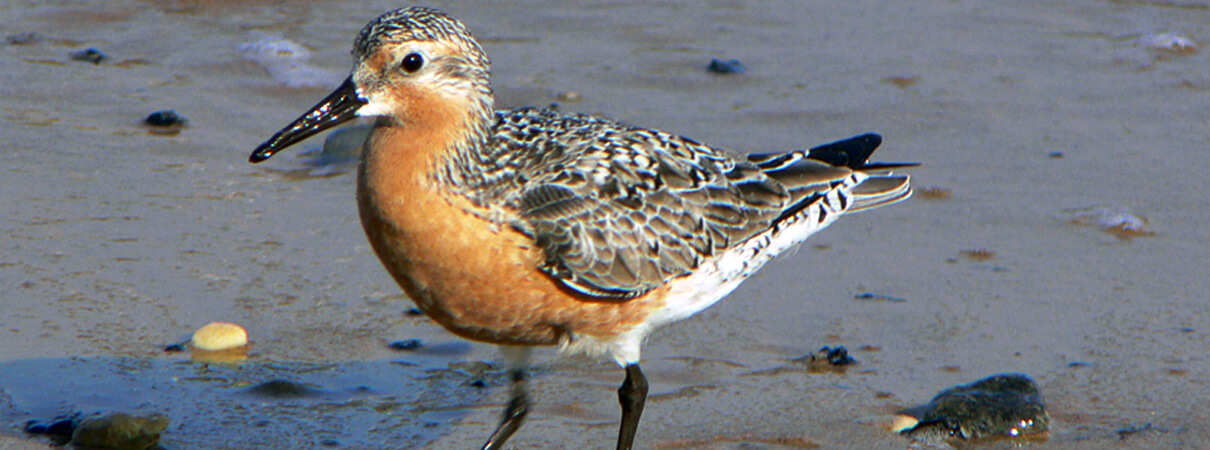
point(406, 345)
point(1118, 221)
point(726, 67)
point(219, 336)
point(165, 118)
point(120, 431)
point(999, 406)
point(413, 311)
point(90, 54)
point(879, 297)
point(166, 122)
point(59, 429)
point(827, 358)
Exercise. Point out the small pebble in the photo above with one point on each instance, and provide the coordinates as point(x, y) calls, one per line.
point(827, 356)
point(219, 336)
point(879, 297)
point(726, 67)
point(90, 54)
point(413, 311)
point(165, 118)
point(1055, 155)
point(407, 345)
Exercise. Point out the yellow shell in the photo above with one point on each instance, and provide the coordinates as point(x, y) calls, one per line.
point(218, 336)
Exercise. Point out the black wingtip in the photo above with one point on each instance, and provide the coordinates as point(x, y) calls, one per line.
point(852, 152)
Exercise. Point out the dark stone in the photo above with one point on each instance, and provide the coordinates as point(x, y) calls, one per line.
point(726, 67)
point(120, 431)
point(827, 356)
point(165, 118)
point(407, 345)
point(999, 406)
point(90, 54)
point(60, 426)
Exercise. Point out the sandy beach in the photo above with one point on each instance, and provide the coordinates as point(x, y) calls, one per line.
point(1059, 227)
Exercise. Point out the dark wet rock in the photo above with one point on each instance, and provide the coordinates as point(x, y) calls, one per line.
point(29, 38)
point(90, 54)
point(726, 67)
point(281, 388)
point(407, 345)
point(165, 122)
point(827, 356)
point(59, 428)
point(999, 406)
point(120, 431)
point(175, 348)
point(165, 118)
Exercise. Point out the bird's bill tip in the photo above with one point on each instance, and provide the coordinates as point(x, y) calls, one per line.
point(338, 107)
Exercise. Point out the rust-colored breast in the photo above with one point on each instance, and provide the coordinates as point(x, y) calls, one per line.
point(476, 276)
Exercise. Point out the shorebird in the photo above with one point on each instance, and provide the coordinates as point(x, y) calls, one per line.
point(529, 227)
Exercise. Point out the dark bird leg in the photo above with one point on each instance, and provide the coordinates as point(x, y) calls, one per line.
point(517, 358)
point(632, 395)
point(518, 406)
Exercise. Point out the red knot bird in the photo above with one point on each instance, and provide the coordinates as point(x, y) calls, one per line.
point(530, 227)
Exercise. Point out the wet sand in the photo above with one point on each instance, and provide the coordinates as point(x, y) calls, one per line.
point(117, 241)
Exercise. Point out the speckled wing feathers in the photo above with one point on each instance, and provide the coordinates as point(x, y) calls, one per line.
point(619, 210)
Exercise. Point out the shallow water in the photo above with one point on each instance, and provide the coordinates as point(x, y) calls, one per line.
point(116, 241)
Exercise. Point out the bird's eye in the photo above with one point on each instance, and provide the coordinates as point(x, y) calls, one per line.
point(412, 62)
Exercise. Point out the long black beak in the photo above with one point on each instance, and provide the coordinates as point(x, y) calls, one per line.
point(339, 107)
